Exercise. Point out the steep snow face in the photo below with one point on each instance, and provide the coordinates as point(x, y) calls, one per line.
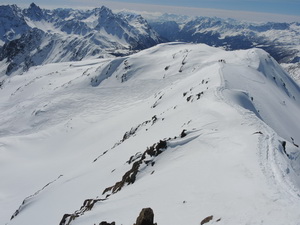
point(68, 35)
point(254, 86)
point(188, 130)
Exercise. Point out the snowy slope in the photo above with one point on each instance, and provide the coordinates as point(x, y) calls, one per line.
point(188, 130)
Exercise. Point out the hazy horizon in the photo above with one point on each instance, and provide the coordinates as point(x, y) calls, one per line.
point(235, 12)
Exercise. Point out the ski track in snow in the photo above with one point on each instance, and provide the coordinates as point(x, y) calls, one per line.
point(270, 156)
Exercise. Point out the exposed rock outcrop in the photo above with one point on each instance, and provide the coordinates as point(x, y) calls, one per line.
point(146, 217)
point(106, 223)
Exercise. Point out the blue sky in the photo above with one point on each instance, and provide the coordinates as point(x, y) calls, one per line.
point(288, 10)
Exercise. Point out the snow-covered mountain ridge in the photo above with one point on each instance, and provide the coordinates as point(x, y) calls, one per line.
point(188, 130)
point(36, 36)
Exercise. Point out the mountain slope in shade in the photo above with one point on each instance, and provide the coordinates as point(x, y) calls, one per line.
point(188, 130)
point(13, 23)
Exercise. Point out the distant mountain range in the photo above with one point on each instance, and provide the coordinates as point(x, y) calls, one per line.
point(36, 36)
point(281, 40)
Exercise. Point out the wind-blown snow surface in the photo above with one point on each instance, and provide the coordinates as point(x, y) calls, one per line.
point(230, 122)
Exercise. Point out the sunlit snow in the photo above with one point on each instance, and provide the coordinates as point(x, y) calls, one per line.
point(70, 130)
